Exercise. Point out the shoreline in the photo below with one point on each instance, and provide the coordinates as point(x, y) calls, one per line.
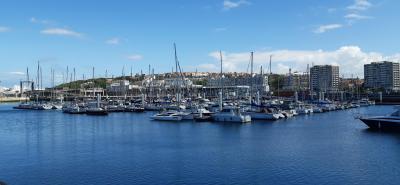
point(11, 99)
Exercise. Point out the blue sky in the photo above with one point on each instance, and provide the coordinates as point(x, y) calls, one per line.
point(113, 34)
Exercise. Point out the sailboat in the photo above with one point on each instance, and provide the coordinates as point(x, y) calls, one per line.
point(258, 112)
point(229, 113)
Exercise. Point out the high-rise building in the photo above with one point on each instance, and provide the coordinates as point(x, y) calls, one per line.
point(324, 78)
point(383, 74)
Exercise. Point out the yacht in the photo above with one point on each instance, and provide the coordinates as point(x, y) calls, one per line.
point(134, 108)
point(55, 106)
point(290, 113)
point(391, 122)
point(202, 114)
point(74, 109)
point(41, 106)
point(263, 114)
point(231, 114)
point(317, 109)
point(25, 106)
point(167, 116)
point(97, 110)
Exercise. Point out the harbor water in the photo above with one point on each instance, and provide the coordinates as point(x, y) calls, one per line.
point(52, 148)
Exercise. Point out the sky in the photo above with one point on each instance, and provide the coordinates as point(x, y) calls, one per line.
point(124, 34)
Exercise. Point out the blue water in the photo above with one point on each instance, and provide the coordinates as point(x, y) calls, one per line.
point(127, 148)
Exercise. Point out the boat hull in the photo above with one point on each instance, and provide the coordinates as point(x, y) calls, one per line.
point(380, 124)
point(167, 118)
point(263, 116)
point(97, 113)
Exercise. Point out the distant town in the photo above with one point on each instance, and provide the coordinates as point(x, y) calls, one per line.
point(318, 82)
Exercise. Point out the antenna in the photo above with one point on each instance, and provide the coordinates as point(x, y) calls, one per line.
point(131, 71)
point(41, 78)
point(27, 74)
point(220, 55)
point(37, 76)
point(176, 59)
point(270, 66)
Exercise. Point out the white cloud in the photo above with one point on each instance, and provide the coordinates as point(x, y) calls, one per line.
point(360, 5)
point(328, 27)
point(17, 73)
point(351, 60)
point(355, 16)
point(61, 32)
point(4, 29)
point(113, 41)
point(228, 4)
point(135, 57)
point(39, 21)
point(354, 11)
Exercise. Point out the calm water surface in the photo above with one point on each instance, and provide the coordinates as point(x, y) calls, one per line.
point(50, 148)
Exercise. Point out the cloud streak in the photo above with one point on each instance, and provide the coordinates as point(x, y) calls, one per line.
point(328, 27)
point(355, 11)
point(355, 16)
point(360, 5)
point(17, 73)
point(4, 29)
point(113, 41)
point(39, 21)
point(61, 32)
point(229, 4)
point(135, 57)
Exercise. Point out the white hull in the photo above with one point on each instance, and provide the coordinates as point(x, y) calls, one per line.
point(263, 116)
point(167, 118)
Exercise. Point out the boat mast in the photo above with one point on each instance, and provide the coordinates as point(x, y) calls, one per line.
point(178, 90)
point(221, 84)
point(251, 77)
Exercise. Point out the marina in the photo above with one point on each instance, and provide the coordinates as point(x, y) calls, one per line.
point(210, 92)
point(48, 147)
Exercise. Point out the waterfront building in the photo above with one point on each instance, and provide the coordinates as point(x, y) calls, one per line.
point(324, 78)
point(258, 82)
point(383, 74)
point(296, 81)
point(119, 86)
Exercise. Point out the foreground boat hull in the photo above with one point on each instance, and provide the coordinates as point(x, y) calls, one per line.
point(378, 124)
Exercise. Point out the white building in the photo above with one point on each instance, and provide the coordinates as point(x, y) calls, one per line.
point(324, 78)
point(259, 82)
point(382, 75)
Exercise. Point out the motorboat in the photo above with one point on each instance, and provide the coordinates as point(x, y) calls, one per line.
point(42, 106)
point(24, 106)
point(134, 108)
point(231, 114)
point(96, 111)
point(390, 122)
point(74, 109)
point(167, 116)
point(262, 114)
